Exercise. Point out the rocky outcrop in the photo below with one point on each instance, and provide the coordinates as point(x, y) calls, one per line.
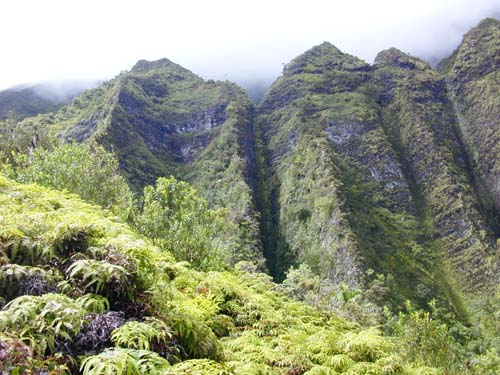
point(160, 119)
point(473, 76)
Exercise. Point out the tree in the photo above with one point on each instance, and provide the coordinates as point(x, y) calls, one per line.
point(178, 220)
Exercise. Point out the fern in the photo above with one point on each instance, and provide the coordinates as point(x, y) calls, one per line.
point(366, 345)
point(93, 303)
point(320, 370)
point(364, 368)
point(95, 275)
point(141, 335)
point(26, 250)
point(16, 280)
point(120, 361)
point(198, 367)
point(340, 362)
point(42, 320)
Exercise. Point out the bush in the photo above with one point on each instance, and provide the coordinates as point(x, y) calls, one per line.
point(178, 220)
point(84, 169)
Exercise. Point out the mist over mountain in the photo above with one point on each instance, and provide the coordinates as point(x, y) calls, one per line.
point(27, 100)
point(247, 43)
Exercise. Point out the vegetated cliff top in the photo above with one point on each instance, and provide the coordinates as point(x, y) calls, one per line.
point(322, 58)
point(394, 57)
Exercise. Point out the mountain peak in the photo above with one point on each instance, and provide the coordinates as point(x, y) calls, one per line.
point(488, 22)
point(483, 32)
point(393, 57)
point(322, 58)
point(145, 65)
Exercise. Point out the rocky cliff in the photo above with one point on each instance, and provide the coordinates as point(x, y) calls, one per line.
point(390, 167)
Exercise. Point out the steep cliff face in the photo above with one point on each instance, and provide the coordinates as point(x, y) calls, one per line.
point(473, 76)
point(341, 200)
point(160, 119)
point(419, 118)
point(370, 167)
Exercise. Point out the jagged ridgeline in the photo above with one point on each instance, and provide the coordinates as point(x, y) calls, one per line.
point(160, 119)
point(380, 167)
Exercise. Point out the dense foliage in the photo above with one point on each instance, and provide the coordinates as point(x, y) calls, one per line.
point(87, 170)
point(171, 314)
point(368, 191)
point(176, 219)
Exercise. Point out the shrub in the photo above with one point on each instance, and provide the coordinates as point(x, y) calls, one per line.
point(84, 169)
point(178, 220)
point(43, 320)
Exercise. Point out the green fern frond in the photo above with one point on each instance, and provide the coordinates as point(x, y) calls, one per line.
point(198, 367)
point(120, 361)
point(141, 335)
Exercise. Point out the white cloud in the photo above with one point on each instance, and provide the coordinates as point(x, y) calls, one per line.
point(226, 39)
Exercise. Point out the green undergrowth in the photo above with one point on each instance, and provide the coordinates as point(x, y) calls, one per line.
point(175, 320)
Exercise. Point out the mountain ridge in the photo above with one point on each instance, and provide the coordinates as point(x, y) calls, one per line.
point(344, 166)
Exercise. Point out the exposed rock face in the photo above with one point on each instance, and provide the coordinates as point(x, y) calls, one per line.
point(418, 116)
point(334, 173)
point(473, 76)
point(386, 147)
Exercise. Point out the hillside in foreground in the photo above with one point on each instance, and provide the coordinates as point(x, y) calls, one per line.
point(82, 290)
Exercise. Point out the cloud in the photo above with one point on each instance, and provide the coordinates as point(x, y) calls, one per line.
point(243, 41)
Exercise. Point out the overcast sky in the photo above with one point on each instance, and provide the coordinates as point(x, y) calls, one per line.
point(227, 39)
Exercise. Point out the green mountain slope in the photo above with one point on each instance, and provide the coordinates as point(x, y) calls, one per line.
point(473, 78)
point(23, 101)
point(374, 168)
point(369, 174)
point(342, 202)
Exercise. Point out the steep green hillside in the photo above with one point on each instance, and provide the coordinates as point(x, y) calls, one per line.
point(366, 168)
point(419, 119)
point(473, 76)
point(19, 102)
point(341, 196)
point(160, 120)
point(25, 102)
point(83, 293)
point(374, 177)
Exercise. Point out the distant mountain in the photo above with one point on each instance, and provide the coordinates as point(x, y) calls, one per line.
point(383, 175)
point(30, 100)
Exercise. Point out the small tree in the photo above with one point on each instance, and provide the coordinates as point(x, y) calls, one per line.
point(424, 339)
point(178, 220)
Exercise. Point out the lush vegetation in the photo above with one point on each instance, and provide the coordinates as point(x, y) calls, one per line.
point(168, 315)
point(87, 170)
point(176, 219)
